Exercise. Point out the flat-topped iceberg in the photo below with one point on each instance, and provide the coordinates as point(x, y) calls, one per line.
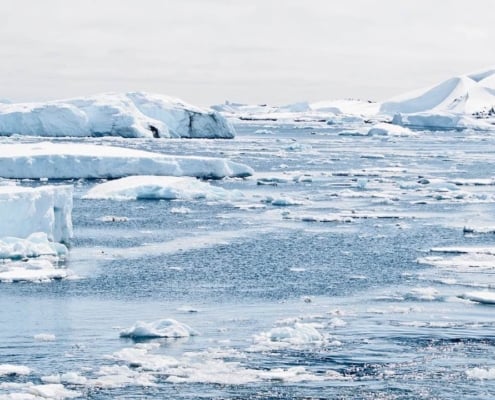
point(132, 114)
point(66, 161)
point(25, 210)
point(159, 187)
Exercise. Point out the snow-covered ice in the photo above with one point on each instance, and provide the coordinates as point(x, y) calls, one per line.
point(163, 328)
point(483, 297)
point(132, 114)
point(67, 161)
point(25, 210)
point(11, 369)
point(160, 187)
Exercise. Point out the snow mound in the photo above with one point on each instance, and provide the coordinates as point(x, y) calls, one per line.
point(159, 187)
point(66, 161)
point(24, 211)
point(132, 114)
point(163, 328)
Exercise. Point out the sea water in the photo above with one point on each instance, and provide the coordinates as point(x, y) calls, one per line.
point(332, 292)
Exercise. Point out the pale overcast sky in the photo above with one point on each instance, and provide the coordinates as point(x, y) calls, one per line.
point(206, 51)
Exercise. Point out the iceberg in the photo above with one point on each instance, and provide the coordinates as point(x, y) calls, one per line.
point(159, 187)
point(25, 211)
point(67, 161)
point(461, 102)
point(130, 115)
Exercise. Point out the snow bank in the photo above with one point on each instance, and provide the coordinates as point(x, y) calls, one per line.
point(66, 161)
point(159, 187)
point(133, 114)
point(163, 328)
point(25, 210)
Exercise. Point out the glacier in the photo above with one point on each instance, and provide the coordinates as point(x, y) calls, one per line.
point(130, 115)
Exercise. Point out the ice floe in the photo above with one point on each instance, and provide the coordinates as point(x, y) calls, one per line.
point(160, 187)
point(11, 369)
point(214, 365)
point(294, 335)
point(481, 373)
point(32, 270)
point(67, 161)
point(163, 328)
point(132, 114)
point(483, 297)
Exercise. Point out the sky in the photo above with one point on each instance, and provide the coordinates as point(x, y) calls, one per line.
point(252, 51)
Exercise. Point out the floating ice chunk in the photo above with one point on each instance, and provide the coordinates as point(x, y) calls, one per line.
point(35, 245)
point(160, 187)
point(133, 114)
point(113, 218)
point(180, 210)
point(33, 270)
point(54, 391)
point(424, 294)
point(481, 373)
point(297, 335)
point(385, 129)
point(117, 376)
point(480, 297)
point(11, 369)
point(76, 160)
point(45, 337)
point(25, 210)
point(163, 328)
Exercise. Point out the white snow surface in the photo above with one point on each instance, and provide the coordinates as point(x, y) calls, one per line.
point(163, 328)
point(132, 114)
point(461, 102)
point(159, 187)
point(25, 210)
point(66, 161)
point(483, 297)
point(465, 94)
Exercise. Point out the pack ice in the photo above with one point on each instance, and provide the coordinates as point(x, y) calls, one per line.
point(132, 114)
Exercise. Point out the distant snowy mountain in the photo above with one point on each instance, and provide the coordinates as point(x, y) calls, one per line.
point(132, 114)
point(466, 94)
